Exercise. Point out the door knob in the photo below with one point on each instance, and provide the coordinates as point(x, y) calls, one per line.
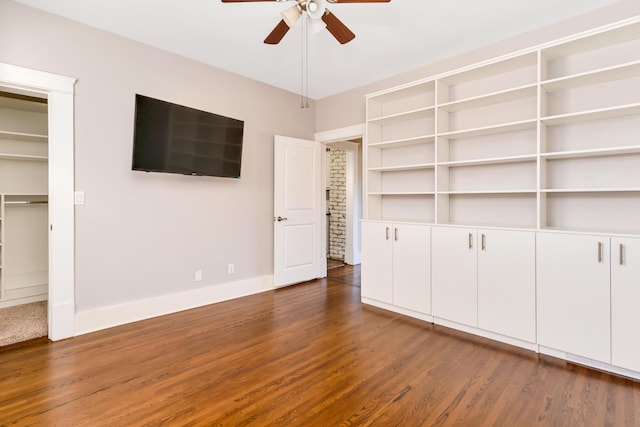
point(280, 218)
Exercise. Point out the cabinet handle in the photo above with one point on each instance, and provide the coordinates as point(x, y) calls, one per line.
point(395, 233)
point(621, 254)
point(599, 251)
point(387, 233)
point(484, 242)
point(470, 241)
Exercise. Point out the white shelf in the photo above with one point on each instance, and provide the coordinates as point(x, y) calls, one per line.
point(492, 126)
point(603, 75)
point(595, 41)
point(404, 116)
point(490, 161)
point(488, 130)
point(401, 193)
point(400, 93)
point(20, 136)
point(23, 195)
point(595, 152)
point(507, 95)
point(598, 114)
point(591, 190)
point(23, 157)
point(484, 70)
point(402, 168)
point(404, 142)
point(488, 192)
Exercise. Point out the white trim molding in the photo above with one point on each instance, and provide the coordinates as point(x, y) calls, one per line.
point(121, 314)
point(59, 91)
point(341, 134)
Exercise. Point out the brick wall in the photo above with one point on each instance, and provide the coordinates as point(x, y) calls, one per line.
point(337, 203)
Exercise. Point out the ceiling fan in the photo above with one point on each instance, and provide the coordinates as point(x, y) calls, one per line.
point(319, 16)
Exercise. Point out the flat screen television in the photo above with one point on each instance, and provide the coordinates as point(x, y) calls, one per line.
point(176, 139)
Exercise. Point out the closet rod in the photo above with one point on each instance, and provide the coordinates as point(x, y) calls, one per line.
point(26, 202)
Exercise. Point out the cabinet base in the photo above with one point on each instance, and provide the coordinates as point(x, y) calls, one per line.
point(572, 358)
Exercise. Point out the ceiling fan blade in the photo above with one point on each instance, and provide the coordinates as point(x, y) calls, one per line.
point(278, 33)
point(358, 1)
point(337, 28)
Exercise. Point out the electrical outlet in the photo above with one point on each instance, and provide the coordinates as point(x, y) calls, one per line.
point(198, 276)
point(231, 269)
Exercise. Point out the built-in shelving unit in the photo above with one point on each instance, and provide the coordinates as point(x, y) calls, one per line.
point(503, 199)
point(528, 140)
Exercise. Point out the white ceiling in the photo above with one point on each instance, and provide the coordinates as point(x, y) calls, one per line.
point(390, 37)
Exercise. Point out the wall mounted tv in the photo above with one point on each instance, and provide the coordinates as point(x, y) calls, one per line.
point(176, 139)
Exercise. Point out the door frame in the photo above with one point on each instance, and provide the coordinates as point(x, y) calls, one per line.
point(337, 138)
point(59, 91)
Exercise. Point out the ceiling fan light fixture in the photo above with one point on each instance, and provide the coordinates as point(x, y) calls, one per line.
point(315, 8)
point(290, 16)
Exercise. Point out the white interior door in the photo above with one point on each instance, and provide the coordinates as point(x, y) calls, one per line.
point(297, 211)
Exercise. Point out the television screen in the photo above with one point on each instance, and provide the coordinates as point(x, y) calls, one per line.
point(176, 139)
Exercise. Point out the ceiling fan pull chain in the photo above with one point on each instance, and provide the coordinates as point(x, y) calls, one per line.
point(302, 64)
point(306, 37)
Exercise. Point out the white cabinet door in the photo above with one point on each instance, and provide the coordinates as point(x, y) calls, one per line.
point(625, 297)
point(376, 270)
point(574, 294)
point(506, 283)
point(412, 267)
point(454, 274)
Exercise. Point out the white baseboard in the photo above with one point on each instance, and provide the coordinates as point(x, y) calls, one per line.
point(115, 315)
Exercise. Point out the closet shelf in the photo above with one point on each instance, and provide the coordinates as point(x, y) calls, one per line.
point(21, 136)
point(5, 156)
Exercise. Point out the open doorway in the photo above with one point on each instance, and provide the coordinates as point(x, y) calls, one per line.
point(343, 202)
point(343, 194)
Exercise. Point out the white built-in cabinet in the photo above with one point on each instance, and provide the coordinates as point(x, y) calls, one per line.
point(398, 265)
point(625, 296)
point(507, 283)
point(455, 274)
point(485, 278)
point(574, 305)
point(527, 169)
point(24, 221)
point(588, 295)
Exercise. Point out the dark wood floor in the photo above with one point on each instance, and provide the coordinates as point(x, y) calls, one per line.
point(306, 355)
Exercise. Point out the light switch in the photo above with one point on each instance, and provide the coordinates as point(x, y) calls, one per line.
point(78, 197)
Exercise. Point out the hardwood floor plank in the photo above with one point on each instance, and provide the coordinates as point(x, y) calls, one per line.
point(306, 355)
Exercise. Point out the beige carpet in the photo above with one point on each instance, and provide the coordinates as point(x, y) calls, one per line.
point(23, 322)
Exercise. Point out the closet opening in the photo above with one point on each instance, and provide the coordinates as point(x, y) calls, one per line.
point(24, 216)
